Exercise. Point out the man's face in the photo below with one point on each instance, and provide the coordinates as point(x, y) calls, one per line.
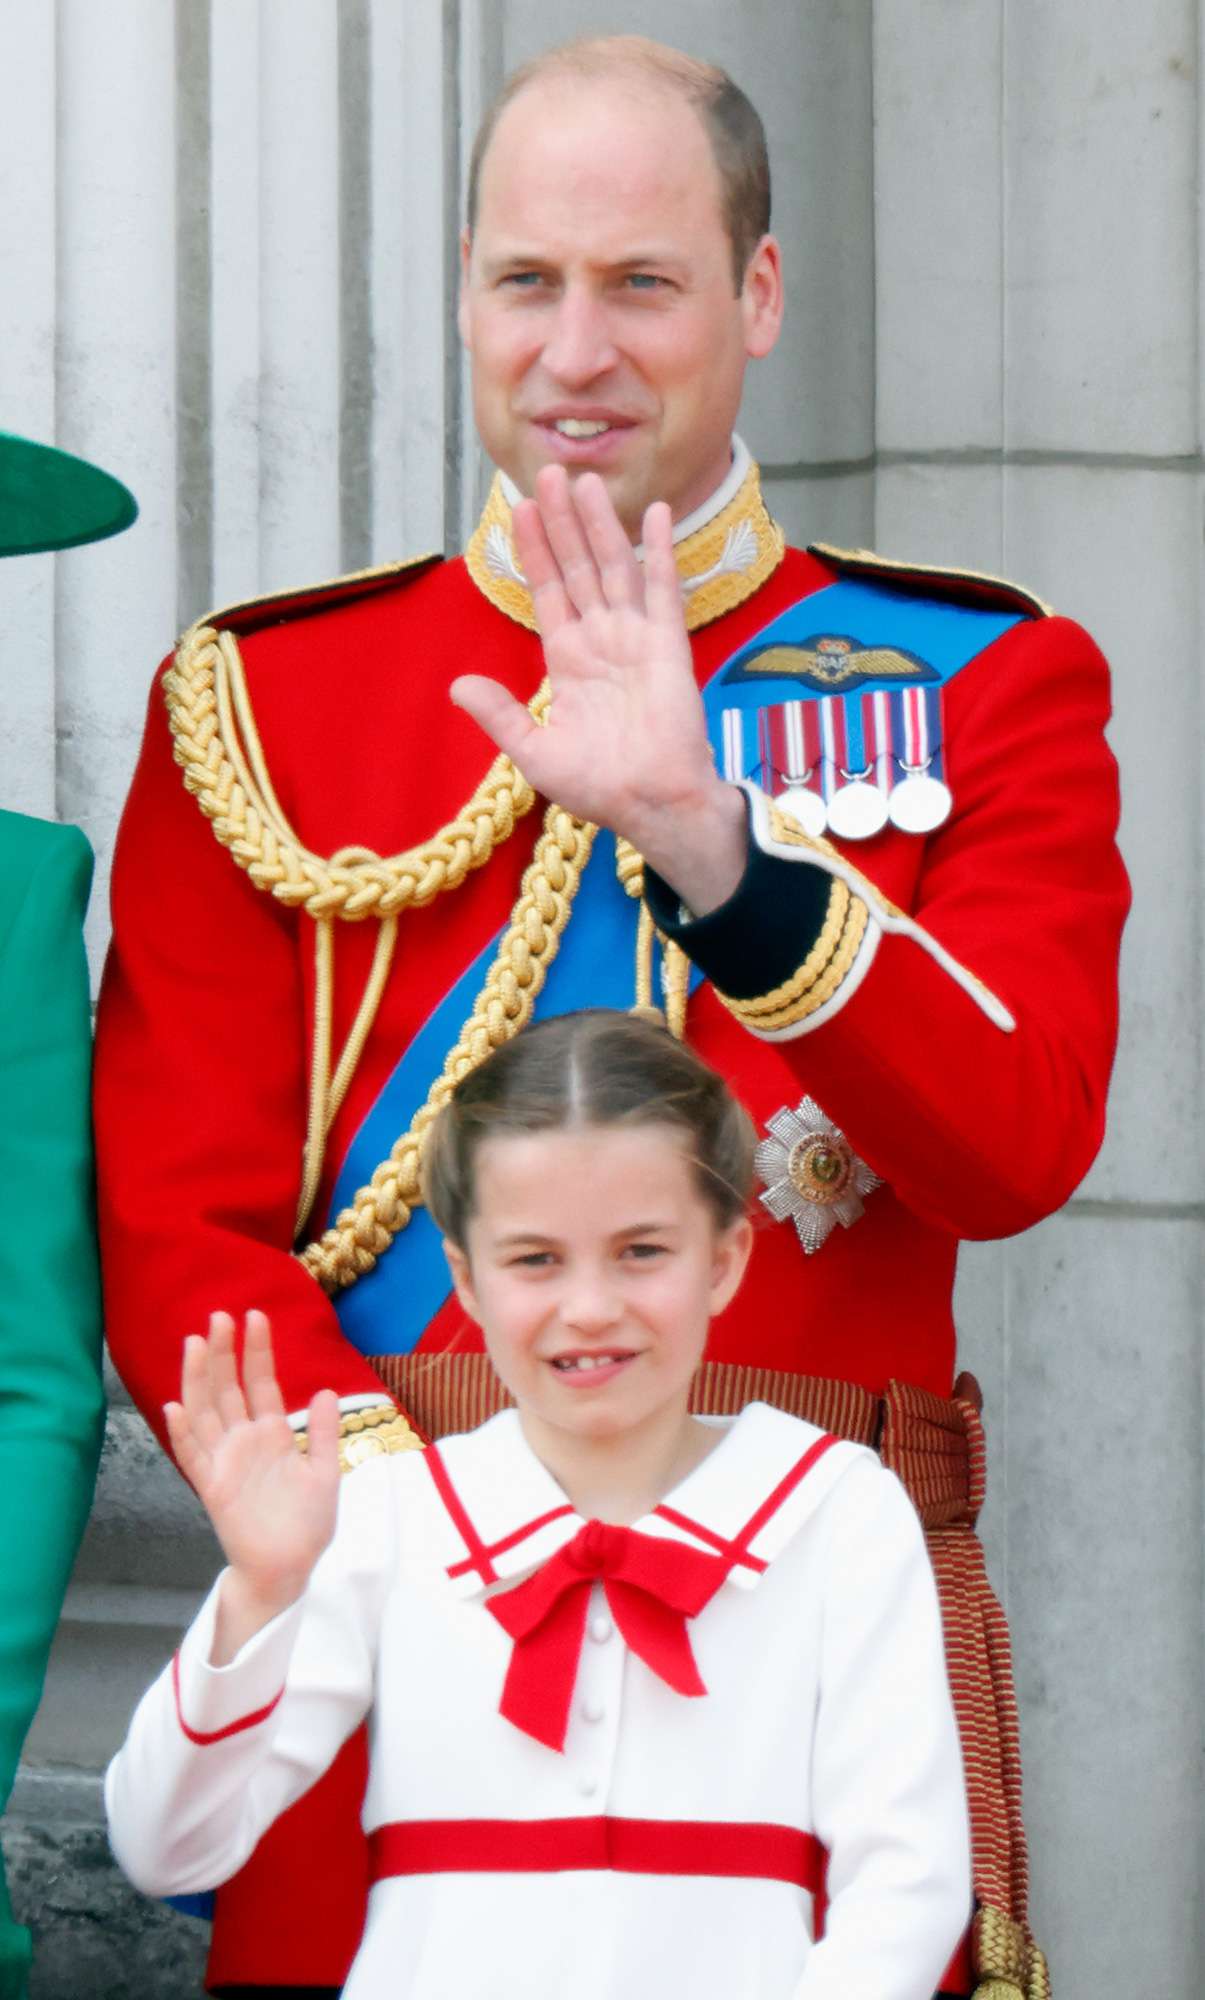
point(598, 302)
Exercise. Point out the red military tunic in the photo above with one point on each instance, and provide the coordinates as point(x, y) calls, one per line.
point(205, 1029)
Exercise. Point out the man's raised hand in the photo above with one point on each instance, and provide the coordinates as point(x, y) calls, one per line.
point(272, 1509)
point(625, 743)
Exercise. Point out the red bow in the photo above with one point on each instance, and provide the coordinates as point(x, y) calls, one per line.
point(652, 1586)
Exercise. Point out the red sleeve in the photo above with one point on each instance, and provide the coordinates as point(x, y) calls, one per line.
point(980, 1131)
point(200, 1103)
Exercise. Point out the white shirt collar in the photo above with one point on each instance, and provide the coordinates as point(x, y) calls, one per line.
point(512, 1500)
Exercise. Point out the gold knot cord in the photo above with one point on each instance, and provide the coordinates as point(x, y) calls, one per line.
point(217, 745)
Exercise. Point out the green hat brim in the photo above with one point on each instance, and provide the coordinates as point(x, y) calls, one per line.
point(50, 500)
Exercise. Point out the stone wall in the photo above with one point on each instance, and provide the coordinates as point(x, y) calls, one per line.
point(231, 229)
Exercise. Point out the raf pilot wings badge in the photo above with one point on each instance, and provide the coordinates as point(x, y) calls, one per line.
point(828, 664)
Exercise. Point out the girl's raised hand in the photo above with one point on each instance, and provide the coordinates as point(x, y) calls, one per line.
point(272, 1508)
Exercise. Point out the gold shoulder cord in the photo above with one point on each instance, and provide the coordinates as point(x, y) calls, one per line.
point(351, 1246)
point(217, 745)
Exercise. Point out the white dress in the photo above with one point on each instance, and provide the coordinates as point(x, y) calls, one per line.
point(797, 1832)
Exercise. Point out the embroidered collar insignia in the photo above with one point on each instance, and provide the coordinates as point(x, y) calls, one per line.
point(720, 564)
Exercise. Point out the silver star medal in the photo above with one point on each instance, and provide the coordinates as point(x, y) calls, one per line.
point(812, 1174)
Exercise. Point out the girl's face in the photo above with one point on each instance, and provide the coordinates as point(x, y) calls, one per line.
point(594, 1266)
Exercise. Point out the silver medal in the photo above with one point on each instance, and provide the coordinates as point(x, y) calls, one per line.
point(857, 811)
point(919, 803)
point(805, 808)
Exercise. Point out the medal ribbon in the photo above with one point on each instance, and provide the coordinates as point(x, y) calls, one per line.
point(833, 747)
point(652, 1587)
point(789, 736)
point(917, 718)
point(876, 734)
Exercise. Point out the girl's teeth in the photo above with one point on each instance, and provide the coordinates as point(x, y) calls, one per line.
point(580, 427)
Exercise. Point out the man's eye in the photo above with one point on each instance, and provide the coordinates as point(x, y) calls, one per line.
point(644, 281)
point(523, 280)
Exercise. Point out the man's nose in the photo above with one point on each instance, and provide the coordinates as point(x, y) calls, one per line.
point(580, 345)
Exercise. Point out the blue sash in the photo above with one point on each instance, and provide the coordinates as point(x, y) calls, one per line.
point(388, 1310)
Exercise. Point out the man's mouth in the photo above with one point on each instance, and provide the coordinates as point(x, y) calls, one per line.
point(577, 433)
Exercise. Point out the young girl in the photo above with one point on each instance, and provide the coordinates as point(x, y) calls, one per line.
point(657, 1704)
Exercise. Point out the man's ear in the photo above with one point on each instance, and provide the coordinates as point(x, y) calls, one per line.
point(762, 298)
point(462, 1279)
point(462, 303)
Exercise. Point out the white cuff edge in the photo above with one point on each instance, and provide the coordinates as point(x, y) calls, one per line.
point(212, 1698)
point(883, 918)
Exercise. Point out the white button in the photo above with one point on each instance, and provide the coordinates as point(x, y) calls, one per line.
point(601, 1627)
point(592, 1709)
point(587, 1786)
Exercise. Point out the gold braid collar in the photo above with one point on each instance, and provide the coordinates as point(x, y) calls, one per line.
point(720, 564)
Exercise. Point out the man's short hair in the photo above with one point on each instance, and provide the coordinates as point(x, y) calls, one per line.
point(736, 133)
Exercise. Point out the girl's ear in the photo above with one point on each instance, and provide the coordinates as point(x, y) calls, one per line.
point(732, 1248)
point(458, 1265)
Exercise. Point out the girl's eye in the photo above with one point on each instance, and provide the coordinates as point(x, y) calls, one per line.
point(643, 1252)
point(533, 1260)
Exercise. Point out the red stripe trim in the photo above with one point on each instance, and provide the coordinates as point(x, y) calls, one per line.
point(709, 1536)
point(751, 1849)
point(737, 1550)
point(204, 1736)
point(782, 1491)
point(478, 1555)
point(509, 1541)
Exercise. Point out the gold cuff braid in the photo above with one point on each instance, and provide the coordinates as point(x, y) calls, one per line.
point(370, 1433)
point(820, 976)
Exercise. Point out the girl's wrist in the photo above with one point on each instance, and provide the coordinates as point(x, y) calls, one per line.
point(265, 1597)
point(246, 1604)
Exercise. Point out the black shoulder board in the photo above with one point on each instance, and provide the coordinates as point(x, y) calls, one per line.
point(967, 586)
point(280, 606)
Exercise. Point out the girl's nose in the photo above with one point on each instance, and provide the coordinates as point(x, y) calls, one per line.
point(590, 1304)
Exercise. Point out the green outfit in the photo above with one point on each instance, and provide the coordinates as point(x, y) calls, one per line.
point(51, 1402)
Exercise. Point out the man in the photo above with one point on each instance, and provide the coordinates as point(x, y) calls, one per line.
point(51, 1402)
point(920, 1076)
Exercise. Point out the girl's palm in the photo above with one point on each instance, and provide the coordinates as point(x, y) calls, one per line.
point(272, 1509)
